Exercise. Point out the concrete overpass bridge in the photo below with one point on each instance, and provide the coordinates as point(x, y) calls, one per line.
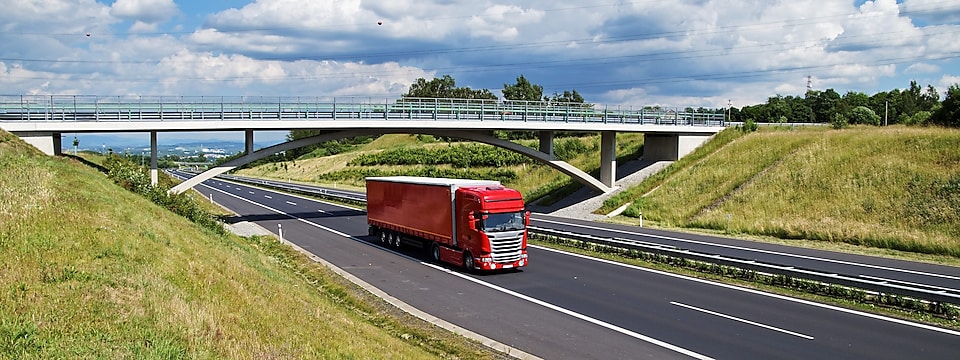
point(670, 133)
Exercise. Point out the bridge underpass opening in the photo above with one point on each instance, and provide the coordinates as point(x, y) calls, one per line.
point(477, 136)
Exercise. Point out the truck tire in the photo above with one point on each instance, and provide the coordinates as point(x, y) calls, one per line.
point(468, 262)
point(435, 251)
point(384, 236)
point(395, 239)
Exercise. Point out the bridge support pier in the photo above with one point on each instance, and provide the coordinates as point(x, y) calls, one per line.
point(546, 142)
point(153, 158)
point(608, 158)
point(248, 141)
point(47, 142)
point(671, 146)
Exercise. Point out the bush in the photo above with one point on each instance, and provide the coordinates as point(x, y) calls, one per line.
point(750, 126)
point(864, 115)
point(839, 121)
point(136, 179)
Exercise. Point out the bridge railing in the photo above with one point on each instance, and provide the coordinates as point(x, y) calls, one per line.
point(202, 108)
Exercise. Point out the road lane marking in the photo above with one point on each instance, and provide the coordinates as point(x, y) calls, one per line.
point(842, 262)
point(572, 313)
point(292, 203)
point(732, 287)
point(895, 281)
point(495, 287)
point(268, 196)
point(251, 192)
point(745, 321)
point(761, 293)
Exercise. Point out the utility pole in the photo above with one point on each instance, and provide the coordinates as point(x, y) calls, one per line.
point(729, 104)
point(886, 111)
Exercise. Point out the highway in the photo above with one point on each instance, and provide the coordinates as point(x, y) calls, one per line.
point(930, 276)
point(565, 306)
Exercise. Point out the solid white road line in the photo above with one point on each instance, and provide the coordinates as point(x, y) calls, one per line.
point(756, 250)
point(396, 302)
point(742, 320)
point(503, 290)
point(758, 292)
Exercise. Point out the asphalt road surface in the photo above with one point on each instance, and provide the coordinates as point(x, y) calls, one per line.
point(565, 306)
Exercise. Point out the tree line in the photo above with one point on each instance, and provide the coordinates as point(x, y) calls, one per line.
point(911, 106)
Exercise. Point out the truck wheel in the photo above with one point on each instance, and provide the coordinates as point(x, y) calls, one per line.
point(396, 240)
point(384, 236)
point(468, 262)
point(435, 251)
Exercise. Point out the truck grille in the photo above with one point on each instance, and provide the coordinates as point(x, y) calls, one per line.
point(505, 246)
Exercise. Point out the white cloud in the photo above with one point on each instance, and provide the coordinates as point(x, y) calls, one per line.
point(145, 11)
point(920, 68)
point(700, 52)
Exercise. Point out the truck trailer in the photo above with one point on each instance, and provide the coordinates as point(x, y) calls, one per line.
point(476, 224)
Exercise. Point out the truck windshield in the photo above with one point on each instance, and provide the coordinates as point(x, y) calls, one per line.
point(503, 222)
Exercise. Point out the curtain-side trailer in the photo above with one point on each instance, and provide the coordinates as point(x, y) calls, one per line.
point(477, 224)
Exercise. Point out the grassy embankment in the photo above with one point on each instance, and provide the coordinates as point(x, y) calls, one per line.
point(90, 270)
point(891, 188)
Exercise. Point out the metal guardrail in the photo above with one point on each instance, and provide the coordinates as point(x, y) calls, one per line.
point(210, 108)
point(933, 294)
point(306, 189)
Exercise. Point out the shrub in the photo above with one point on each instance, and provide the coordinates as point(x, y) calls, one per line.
point(864, 115)
point(839, 121)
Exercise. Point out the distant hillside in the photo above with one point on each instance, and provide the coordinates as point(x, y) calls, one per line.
point(891, 187)
point(89, 270)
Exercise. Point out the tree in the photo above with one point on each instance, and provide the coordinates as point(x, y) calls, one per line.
point(566, 97)
point(823, 103)
point(446, 88)
point(522, 90)
point(864, 115)
point(949, 112)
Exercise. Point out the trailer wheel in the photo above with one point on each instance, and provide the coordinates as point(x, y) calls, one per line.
point(468, 261)
point(384, 236)
point(395, 236)
point(435, 251)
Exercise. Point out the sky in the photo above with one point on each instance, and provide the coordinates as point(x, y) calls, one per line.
point(710, 53)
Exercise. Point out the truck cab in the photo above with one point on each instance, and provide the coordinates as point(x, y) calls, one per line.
point(494, 223)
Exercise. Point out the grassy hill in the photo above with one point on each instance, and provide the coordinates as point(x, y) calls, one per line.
point(891, 188)
point(90, 270)
point(894, 188)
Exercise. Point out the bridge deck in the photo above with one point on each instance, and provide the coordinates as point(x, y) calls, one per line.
point(70, 109)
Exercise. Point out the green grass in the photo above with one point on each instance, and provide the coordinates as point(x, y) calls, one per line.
point(893, 188)
point(90, 270)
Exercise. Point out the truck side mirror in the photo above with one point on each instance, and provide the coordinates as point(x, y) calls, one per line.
point(526, 218)
point(471, 221)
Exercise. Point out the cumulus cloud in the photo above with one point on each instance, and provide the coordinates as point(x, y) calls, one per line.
point(683, 53)
point(144, 11)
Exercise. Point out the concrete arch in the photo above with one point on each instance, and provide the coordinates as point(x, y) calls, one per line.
point(546, 159)
point(262, 153)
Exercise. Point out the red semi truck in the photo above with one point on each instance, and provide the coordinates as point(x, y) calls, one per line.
point(477, 224)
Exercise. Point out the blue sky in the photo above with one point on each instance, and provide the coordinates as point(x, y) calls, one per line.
point(650, 52)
